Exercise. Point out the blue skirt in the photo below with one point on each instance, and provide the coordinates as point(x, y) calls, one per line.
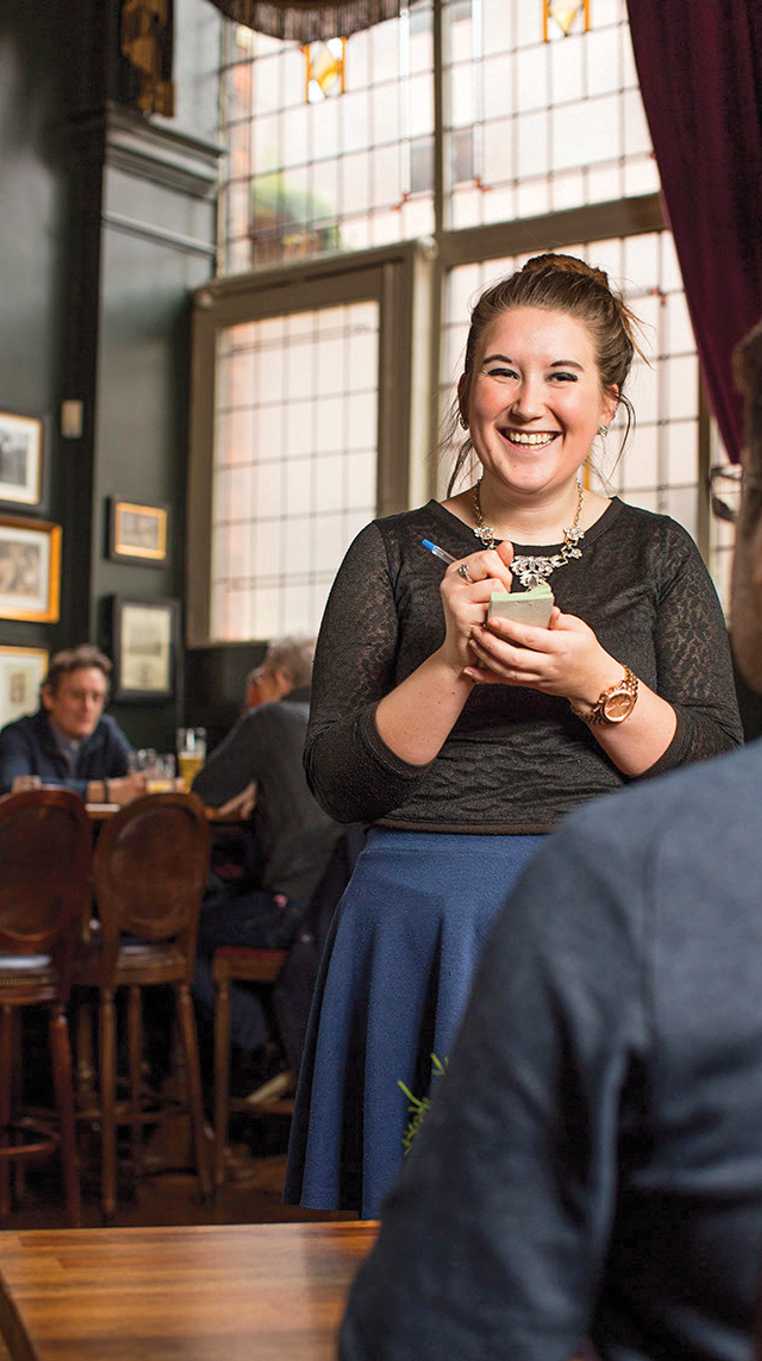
point(392, 989)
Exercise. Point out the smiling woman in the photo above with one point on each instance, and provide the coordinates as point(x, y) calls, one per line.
point(464, 738)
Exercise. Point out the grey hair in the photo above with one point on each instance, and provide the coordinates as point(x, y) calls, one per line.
point(294, 655)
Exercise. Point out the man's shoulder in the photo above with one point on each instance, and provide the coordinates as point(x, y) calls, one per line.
point(689, 808)
point(273, 716)
point(26, 727)
point(107, 730)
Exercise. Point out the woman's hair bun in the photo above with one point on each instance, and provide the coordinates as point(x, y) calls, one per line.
point(565, 264)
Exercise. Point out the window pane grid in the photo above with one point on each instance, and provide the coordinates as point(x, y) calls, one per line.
point(341, 174)
point(294, 464)
point(529, 129)
point(551, 125)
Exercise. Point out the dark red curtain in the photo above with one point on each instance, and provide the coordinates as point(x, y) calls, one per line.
point(700, 69)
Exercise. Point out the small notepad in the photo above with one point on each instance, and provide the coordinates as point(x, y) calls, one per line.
point(523, 607)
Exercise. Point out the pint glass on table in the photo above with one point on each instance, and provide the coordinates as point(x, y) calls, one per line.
point(191, 753)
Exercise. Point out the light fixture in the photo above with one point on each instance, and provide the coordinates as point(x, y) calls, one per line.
point(564, 15)
point(71, 419)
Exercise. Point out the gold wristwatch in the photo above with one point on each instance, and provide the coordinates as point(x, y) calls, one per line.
point(613, 705)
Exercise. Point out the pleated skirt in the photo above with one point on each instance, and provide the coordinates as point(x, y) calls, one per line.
point(392, 989)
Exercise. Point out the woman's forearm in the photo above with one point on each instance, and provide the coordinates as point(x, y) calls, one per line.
point(637, 743)
point(416, 718)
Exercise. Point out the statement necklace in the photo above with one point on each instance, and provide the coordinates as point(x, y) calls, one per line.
point(530, 571)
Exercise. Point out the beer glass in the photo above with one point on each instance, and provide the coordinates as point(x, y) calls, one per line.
point(191, 753)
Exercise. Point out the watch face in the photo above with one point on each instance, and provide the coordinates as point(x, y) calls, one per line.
point(618, 705)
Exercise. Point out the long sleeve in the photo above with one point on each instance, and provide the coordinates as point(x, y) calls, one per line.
point(18, 757)
point(26, 748)
point(494, 1241)
point(351, 771)
point(235, 762)
point(693, 660)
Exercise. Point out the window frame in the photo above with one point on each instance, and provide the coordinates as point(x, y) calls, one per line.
point(409, 279)
point(399, 278)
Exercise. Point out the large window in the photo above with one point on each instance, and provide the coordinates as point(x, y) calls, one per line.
point(426, 157)
point(310, 169)
point(533, 127)
point(294, 465)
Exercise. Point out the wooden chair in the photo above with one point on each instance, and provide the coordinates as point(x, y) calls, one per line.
point(150, 868)
point(46, 858)
point(240, 964)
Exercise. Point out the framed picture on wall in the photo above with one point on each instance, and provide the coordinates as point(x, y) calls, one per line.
point(144, 637)
point(21, 454)
point(30, 569)
point(22, 671)
point(138, 532)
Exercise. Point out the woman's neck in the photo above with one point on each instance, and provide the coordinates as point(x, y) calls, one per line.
point(538, 519)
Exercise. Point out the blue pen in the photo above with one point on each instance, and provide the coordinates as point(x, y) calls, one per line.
point(437, 551)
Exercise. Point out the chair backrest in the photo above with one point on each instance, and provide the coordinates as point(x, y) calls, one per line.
point(150, 869)
point(45, 874)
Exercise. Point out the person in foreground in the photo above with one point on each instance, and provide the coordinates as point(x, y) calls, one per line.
point(465, 741)
point(70, 741)
point(591, 1166)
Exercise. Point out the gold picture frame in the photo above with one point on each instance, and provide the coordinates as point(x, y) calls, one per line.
point(22, 441)
point(30, 570)
point(138, 532)
point(22, 671)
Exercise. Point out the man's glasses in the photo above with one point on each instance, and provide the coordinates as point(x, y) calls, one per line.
point(725, 491)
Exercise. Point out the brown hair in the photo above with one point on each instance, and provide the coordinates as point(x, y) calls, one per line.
point(75, 659)
point(560, 283)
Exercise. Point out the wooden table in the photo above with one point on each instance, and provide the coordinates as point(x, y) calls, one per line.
point(267, 1292)
point(101, 812)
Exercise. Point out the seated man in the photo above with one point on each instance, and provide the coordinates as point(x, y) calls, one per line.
point(258, 767)
point(592, 1162)
point(70, 741)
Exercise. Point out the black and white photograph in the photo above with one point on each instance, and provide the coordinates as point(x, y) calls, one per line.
point(22, 671)
point(21, 452)
point(144, 641)
point(30, 568)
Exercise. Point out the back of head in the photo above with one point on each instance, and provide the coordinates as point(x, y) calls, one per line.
point(293, 655)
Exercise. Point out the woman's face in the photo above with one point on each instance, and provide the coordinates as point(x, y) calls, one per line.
point(535, 400)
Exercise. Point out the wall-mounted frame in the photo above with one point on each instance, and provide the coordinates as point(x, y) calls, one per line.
point(30, 569)
point(22, 671)
point(144, 636)
point(138, 532)
point(21, 459)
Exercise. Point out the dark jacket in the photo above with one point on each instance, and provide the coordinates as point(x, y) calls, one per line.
point(592, 1162)
point(28, 747)
point(294, 836)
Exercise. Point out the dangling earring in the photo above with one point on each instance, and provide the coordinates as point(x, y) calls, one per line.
point(603, 430)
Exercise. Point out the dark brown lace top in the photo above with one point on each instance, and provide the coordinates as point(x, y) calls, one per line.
point(516, 760)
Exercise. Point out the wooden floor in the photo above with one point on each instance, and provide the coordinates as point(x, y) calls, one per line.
point(251, 1195)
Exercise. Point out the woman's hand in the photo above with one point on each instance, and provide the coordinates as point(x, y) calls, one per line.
point(564, 659)
point(465, 599)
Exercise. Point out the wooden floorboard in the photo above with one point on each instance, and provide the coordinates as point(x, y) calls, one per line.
point(251, 1195)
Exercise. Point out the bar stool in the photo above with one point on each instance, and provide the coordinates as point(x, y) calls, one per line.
point(150, 868)
point(46, 857)
point(240, 964)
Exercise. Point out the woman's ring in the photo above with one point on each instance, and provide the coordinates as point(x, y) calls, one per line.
point(464, 572)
